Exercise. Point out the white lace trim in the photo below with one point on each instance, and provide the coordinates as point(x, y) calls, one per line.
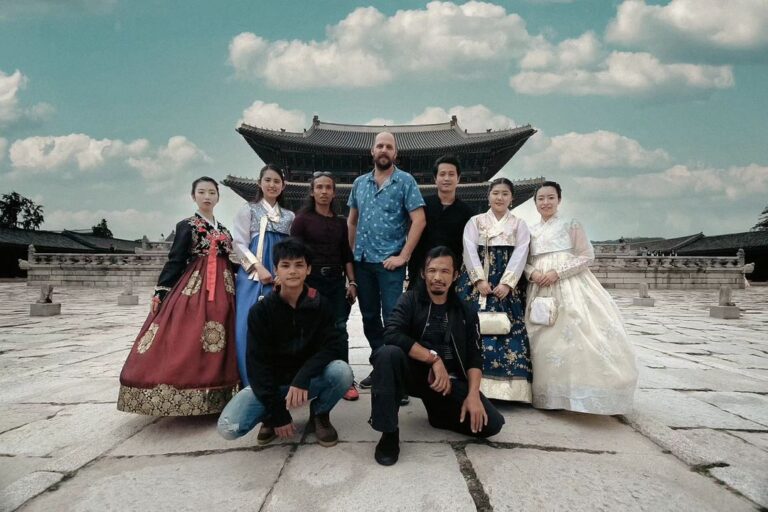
point(517, 390)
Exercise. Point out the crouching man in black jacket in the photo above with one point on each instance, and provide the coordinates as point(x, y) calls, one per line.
point(291, 357)
point(432, 351)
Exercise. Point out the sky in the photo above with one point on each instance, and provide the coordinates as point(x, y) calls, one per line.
point(651, 114)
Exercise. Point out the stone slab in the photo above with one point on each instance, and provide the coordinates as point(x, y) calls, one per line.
point(747, 405)
point(748, 468)
point(15, 415)
point(675, 409)
point(572, 430)
point(52, 309)
point(759, 439)
point(701, 379)
point(225, 481)
point(26, 488)
point(725, 312)
point(643, 302)
point(346, 477)
point(13, 468)
point(537, 480)
point(127, 300)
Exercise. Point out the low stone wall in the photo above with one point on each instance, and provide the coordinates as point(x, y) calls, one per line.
point(669, 272)
point(94, 270)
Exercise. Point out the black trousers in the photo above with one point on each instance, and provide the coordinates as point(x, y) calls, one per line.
point(395, 374)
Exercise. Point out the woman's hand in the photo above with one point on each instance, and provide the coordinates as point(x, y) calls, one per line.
point(549, 278)
point(501, 291)
point(536, 277)
point(483, 287)
point(264, 276)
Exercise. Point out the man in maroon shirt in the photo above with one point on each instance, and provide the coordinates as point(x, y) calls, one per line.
point(333, 273)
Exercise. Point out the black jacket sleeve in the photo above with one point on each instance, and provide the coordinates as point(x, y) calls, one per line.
point(397, 331)
point(260, 373)
point(177, 259)
point(474, 348)
point(325, 346)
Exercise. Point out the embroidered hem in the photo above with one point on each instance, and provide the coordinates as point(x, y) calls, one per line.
point(476, 274)
point(165, 400)
point(514, 390)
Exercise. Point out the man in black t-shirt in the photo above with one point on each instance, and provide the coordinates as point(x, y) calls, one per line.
point(432, 351)
point(446, 216)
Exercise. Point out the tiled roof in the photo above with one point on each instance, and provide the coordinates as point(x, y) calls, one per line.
point(730, 242)
point(103, 244)
point(66, 241)
point(668, 244)
point(410, 138)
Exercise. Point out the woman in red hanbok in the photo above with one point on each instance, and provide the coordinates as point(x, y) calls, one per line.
point(183, 362)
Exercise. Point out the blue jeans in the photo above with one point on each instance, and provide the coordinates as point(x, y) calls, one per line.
point(377, 290)
point(245, 410)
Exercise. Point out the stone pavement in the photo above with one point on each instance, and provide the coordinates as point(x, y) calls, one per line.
point(697, 440)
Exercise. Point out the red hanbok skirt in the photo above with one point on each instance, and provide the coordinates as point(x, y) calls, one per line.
point(183, 362)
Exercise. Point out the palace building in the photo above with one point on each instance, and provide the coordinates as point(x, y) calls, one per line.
point(345, 150)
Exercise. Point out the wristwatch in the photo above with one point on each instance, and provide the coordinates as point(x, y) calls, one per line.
point(435, 357)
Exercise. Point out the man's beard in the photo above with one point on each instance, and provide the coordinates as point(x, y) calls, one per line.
point(438, 292)
point(383, 167)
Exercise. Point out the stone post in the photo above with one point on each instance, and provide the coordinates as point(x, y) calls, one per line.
point(45, 305)
point(644, 299)
point(725, 309)
point(127, 298)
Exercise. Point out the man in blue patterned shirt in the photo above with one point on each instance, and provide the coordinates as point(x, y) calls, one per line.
point(382, 203)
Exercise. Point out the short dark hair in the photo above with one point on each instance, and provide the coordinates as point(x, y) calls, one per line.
point(552, 184)
point(291, 248)
point(439, 252)
point(262, 172)
point(448, 158)
point(205, 179)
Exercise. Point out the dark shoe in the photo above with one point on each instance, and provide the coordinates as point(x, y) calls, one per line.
point(388, 448)
point(265, 436)
point(404, 400)
point(324, 432)
point(351, 395)
point(367, 383)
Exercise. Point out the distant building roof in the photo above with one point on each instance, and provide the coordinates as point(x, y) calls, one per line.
point(101, 243)
point(65, 241)
point(730, 242)
point(667, 244)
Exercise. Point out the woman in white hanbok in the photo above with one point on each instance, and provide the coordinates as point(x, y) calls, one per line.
point(584, 362)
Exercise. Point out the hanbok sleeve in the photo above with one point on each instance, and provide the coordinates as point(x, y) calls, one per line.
point(241, 236)
point(177, 260)
point(583, 253)
point(471, 258)
point(516, 263)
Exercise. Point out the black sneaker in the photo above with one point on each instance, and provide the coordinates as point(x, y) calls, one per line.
point(367, 383)
point(404, 400)
point(388, 448)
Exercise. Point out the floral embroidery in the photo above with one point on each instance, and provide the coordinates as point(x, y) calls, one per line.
point(194, 284)
point(203, 235)
point(146, 341)
point(214, 337)
point(229, 283)
point(165, 400)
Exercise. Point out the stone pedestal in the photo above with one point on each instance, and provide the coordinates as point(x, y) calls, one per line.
point(51, 309)
point(726, 312)
point(643, 301)
point(127, 300)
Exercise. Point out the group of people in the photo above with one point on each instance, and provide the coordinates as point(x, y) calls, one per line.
point(494, 310)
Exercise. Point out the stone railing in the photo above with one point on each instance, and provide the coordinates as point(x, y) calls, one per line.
point(96, 270)
point(670, 272)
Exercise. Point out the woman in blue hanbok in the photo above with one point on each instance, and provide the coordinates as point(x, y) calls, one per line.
point(495, 252)
point(257, 227)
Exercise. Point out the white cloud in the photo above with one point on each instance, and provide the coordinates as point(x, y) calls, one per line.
point(568, 54)
point(475, 118)
point(380, 121)
point(681, 181)
point(167, 161)
point(129, 223)
point(626, 74)
point(47, 153)
point(3, 147)
point(11, 112)
point(368, 48)
point(686, 27)
point(595, 150)
point(273, 117)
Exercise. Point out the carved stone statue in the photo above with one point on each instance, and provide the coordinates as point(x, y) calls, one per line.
point(725, 296)
point(644, 291)
point(46, 294)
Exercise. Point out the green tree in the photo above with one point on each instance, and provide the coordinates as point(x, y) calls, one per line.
point(101, 229)
point(17, 211)
point(762, 222)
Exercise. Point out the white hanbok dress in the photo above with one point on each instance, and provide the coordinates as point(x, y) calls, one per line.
point(584, 362)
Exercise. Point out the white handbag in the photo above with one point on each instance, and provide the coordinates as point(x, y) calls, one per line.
point(543, 311)
point(493, 323)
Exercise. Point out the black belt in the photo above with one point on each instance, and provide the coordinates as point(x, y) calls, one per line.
point(328, 270)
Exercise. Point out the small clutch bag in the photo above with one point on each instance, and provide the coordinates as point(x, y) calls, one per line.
point(493, 323)
point(543, 311)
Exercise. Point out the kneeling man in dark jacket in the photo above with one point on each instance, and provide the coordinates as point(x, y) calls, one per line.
point(291, 357)
point(432, 351)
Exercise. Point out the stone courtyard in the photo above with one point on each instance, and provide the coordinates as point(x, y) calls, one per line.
point(697, 439)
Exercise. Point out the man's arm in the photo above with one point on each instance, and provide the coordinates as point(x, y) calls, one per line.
point(472, 405)
point(354, 215)
point(418, 223)
point(326, 345)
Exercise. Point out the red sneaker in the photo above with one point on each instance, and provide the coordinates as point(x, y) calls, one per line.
point(351, 394)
